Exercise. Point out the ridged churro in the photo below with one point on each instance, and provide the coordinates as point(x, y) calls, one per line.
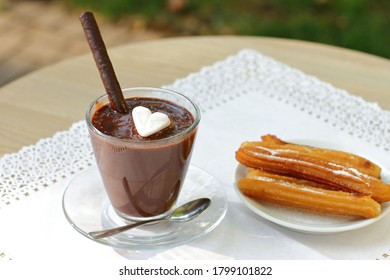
point(343, 171)
point(304, 194)
point(345, 159)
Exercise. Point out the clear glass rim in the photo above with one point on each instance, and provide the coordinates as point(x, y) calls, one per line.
point(145, 142)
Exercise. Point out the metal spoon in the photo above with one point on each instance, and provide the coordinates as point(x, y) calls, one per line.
point(183, 213)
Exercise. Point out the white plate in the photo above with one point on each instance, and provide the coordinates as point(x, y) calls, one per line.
point(305, 221)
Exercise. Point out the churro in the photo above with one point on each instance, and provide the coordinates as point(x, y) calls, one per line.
point(345, 159)
point(343, 171)
point(304, 194)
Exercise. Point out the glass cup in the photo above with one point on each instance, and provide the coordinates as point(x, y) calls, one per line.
point(143, 178)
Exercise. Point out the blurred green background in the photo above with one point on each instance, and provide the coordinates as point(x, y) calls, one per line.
point(356, 24)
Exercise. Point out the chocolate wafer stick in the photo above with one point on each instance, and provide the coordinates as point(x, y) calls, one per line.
point(103, 62)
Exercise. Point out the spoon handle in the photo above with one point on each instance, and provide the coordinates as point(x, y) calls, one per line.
point(108, 232)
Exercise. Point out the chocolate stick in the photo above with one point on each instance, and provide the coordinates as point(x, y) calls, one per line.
point(103, 62)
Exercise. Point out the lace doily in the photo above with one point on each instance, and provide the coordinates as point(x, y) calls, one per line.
point(250, 71)
point(56, 158)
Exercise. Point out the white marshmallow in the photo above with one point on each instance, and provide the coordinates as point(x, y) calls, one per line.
point(147, 123)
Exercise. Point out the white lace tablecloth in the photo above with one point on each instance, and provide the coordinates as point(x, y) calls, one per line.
point(242, 97)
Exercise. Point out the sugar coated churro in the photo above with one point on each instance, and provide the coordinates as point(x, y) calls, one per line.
point(341, 170)
point(345, 159)
point(304, 194)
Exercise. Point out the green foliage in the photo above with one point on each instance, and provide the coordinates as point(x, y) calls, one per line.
point(3, 5)
point(357, 24)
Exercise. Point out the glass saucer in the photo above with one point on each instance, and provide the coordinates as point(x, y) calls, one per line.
point(87, 208)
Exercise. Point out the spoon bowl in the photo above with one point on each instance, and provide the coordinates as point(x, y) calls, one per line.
point(183, 213)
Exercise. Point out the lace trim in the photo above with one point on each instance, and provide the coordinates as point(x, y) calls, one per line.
point(250, 71)
point(38, 166)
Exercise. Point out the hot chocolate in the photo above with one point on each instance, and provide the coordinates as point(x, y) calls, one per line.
point(142, 175)
point(122, 126)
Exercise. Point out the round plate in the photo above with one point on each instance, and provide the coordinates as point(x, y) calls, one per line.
point(305, 221)
point(87, 209)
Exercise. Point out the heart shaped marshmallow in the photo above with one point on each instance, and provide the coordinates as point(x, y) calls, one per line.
point(147, 123)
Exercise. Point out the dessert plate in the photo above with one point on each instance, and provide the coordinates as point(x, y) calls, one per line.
point(87, 208)
point(305, 221)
